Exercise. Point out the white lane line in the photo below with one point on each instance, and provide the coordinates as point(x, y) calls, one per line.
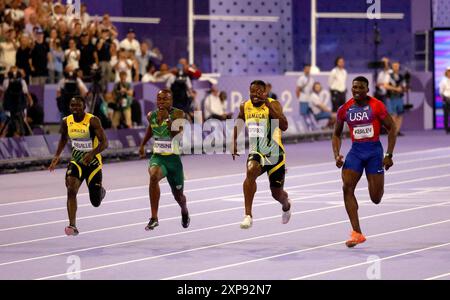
point(106, 202)
point(374, 261)
point(306, 185)
point(438, 276)
point(331, 164)
point(240, 241)
point(181, 233)
point(298, 251)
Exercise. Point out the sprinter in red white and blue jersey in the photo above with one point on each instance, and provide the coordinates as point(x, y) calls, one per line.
point(364, 115)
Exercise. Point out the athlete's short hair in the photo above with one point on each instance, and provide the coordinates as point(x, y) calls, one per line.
point(78, 97)
point(258, 82)
point(166, 90)
point(362, 79)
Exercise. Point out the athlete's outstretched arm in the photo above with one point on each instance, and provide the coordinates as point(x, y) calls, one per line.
point(147, 137)
point(239, 125)
point(336, 143)
point(96, 125)
point(276, 112)
point(389, 124)
point(62, 143)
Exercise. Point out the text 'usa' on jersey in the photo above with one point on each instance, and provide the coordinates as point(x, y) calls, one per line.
point(364, 122)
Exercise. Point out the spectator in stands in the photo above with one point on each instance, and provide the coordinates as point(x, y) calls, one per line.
point(215, 106)
point(85, 18)
point(39, 60)
point(164, 74)
point(123, 64)
point(32, 25)
point(320, 104)
point(155, 55)
point(143, 59)
point(304, 89)
point(55, 61)
point(130, 42)
point(337, 82)
point(72, 55)
point(149, 74)
point(68, 87)
point(191, 70)
point(76, 32)
point(88, 55)
point(134, 65)
point(194, 112)
point(444, 92)
point(123, 95)
point(23, 56)
point(270, 93)
point(8, 49)
point(15, 11)
point(32, 9)
point(35, 114)
point(15, 101)
point(104, 56)
point(396, 88)
point(58, 13)
point(382, 80)
point(107, 24)
point(63, 33)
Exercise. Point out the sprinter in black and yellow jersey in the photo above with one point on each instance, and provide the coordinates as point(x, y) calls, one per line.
point(265, 120)
point(88, 141)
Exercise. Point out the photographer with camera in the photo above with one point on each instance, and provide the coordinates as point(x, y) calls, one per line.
point(382, 80)
point(95, 100)
point(69, 87)
point(15, 101)
point(444, 92)
point(123, 96)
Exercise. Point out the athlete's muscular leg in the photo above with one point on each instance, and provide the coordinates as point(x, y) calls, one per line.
point(253, 171)
point(376, 187)
point(350, 179)
point(181, 199)
point(279, 194)
point(72, 184)
point(153, 189)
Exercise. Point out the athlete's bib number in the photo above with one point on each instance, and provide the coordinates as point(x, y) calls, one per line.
point(124, 102)
point(85, 146)
point(363, 132)
point(256, 130)
point(162, 147)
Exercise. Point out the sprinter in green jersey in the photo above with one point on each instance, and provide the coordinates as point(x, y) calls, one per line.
point(165, 161)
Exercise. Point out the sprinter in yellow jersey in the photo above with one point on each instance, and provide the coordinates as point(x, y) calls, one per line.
point(88, 141)
point(265, 120)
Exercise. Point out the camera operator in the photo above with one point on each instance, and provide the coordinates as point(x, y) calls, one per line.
point(69, 87)
point(382, 80)
point(95, 101)
point(123, 96)
point(181, 87)
point(444, 91)
point(15, 101)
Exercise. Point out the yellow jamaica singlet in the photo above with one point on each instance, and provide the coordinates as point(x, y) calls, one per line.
point(83, 139)
point(263, 139)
